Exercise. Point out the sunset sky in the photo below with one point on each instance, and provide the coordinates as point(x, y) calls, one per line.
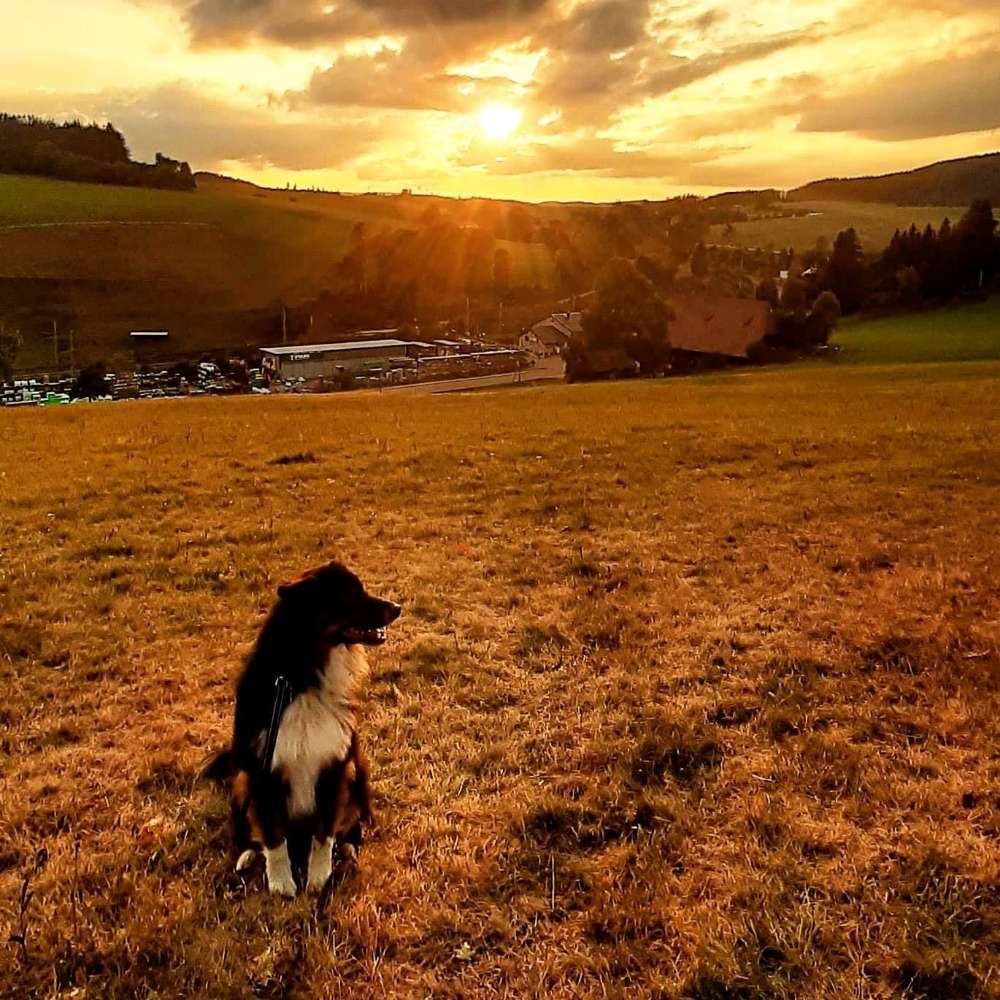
point(533, 99)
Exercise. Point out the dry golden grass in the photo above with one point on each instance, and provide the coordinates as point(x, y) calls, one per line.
point(696, 694)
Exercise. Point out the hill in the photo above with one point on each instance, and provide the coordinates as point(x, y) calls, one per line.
point(802, 224)
point(75, 151)
point(950, 182)
point(695, 693)
point(213, 266)
point(223, 267)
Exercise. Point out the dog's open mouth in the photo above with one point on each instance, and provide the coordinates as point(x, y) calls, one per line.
point(363, 636)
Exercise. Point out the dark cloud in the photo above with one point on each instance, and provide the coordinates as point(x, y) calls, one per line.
point(599, 56)
point(708, 19)
point(578, 70)
point(592, 88)
point(435, 12)
point(601, 26)
point(681, 72)
point(570, 81)
point(314, 22)
point(402, 80)
point(925, 99)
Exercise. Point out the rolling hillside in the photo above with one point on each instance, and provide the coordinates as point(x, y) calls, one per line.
point(216, 266)
point(246, 244)
point(200, 263)
point(875, 223)
point(951, 182)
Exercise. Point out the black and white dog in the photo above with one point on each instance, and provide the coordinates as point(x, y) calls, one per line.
point(312, 794)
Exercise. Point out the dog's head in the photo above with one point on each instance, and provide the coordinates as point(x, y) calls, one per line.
point(337, 601)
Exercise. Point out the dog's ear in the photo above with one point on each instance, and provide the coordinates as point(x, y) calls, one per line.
point(297, 587)
point(310, 581)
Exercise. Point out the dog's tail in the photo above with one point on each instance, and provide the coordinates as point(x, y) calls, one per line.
point(219, 766)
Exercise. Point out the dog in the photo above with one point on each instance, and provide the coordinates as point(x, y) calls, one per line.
point(314, 795)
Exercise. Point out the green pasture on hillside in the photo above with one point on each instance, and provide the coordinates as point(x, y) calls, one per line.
point(969, 332)
point(875, 224)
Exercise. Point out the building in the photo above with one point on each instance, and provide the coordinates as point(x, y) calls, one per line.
point(447, 347)
point(708, 332)
point(472, 363)
point(551, 335)
point(307, 361)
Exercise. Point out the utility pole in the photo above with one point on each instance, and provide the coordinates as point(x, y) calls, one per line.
point(72, 353)
point(468, 316)
point(500, 322)
point(284, 325)
point(55, 343)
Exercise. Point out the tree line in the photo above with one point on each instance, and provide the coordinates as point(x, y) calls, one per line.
point(934, 265)
point(929, 266)
point(78, 152)
point(626, 329)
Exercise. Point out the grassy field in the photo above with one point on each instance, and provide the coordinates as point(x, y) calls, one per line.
point(875, 224)
point(696, 694)
point(247, 245)
point(968, 333)
point(219, 201)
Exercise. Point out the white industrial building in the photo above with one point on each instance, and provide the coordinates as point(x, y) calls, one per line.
point(306, 361)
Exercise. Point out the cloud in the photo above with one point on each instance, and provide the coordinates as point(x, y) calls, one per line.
point(313, 22)
point(590, 154)
point(178, 120)
point(682, 72)
point(601, 26)
point(945, 97)
point(404, 79)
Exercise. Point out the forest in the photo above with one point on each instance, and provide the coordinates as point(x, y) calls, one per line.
point(83, 152)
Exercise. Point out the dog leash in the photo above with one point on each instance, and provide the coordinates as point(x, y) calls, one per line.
point(282, 690)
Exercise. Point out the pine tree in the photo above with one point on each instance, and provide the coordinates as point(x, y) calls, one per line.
point(977, 246)
point(844, 273)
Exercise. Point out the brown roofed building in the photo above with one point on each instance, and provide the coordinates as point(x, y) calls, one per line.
point(708, 332)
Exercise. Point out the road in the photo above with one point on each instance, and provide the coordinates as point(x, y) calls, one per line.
point(546, 370)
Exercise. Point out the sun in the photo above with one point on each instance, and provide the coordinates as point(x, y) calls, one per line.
point(498, 121)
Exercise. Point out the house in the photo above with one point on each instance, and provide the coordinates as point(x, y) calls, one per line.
point(551, 335)
point(706, 332)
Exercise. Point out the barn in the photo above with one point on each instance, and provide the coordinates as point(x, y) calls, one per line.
point(707, 333)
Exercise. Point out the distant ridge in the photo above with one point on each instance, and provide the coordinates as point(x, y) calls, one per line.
point(950, 182)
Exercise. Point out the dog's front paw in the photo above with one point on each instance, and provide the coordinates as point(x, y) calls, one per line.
point(282, 885)
point(280, 880)
point(246, 860)
point(320, 865)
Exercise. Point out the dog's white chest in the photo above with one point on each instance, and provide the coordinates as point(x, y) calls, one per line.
point(316, 728)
